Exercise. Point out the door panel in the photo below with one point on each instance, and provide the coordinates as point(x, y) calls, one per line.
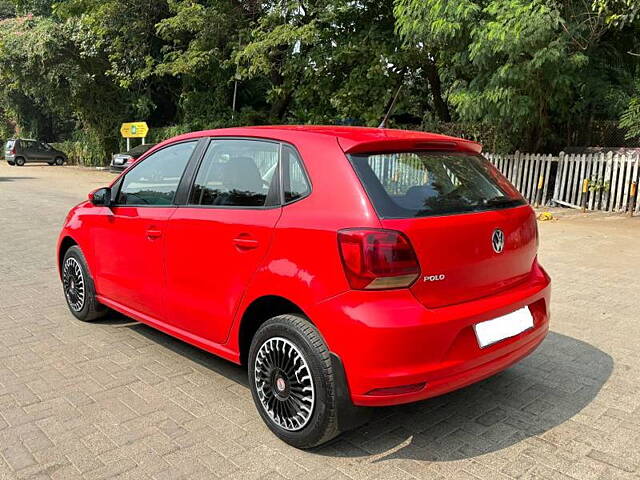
point(129, 237)
point(211, 257)
point(129, 245)
point(216, 242)
point(48, 153)
point(28, 150)
point(41, 152)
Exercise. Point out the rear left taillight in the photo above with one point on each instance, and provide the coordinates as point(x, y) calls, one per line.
point(377, 259)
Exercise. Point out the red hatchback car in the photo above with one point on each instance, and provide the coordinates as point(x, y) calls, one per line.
point(346, 267)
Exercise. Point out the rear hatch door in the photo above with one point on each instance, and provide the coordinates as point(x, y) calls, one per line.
point(473, 233)
point(458, 260)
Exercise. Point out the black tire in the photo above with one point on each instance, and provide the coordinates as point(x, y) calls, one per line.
point(74, 266)
point(321, 425)
point(51, 163)
point(11, 163)
point(19, 161)
point(59, 161)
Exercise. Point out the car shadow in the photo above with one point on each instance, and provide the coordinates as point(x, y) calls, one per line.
point(542, 391)
point(216, 364)
point(13, 179)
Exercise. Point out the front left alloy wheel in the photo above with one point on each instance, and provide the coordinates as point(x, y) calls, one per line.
point(292, 382)
point(79, 290)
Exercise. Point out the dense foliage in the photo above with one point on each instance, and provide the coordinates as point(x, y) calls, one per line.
point(533, 75)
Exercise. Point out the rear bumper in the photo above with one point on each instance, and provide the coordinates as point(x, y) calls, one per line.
point(389, 339)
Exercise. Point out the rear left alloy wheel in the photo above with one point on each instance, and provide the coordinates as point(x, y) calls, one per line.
point(292, 382)
point(59, 161)
point(79, 290)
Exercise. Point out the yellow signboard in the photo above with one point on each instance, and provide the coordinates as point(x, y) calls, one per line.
point(134, 130)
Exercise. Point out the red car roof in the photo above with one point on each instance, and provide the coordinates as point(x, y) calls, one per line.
point(351, 139)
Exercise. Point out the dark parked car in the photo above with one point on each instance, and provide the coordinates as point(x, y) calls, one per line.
point(122, 161)
point(19, 151)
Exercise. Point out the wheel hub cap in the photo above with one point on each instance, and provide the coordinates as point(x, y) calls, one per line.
point(284, 384)
point(73, 283)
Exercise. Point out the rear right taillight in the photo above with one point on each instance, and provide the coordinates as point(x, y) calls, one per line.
point(377, 259)
point(13, 151)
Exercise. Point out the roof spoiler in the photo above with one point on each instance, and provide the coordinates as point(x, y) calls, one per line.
point(396, 145)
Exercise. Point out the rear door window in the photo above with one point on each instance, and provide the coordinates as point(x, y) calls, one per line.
point(296, 184)
point(419, 184)
point(238, 173)
point(154, 181)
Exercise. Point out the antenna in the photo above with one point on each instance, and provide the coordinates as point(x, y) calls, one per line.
point(391, 107)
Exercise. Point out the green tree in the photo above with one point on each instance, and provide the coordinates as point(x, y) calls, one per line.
point(7, 9)
point(528, 67)
point(535, 74)
point(51, 70)
point(335, 61)
point(618, 12)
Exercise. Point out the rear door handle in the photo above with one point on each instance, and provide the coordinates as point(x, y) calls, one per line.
point(153, 233)
point(245, 242)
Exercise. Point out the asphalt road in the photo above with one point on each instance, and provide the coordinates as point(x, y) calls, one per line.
point(119, 399)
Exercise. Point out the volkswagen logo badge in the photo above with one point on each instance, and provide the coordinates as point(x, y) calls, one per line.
point(497, 240)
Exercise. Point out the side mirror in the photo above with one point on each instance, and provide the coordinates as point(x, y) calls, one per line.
point(101, 197)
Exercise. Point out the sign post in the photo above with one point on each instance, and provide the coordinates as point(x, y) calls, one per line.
point(134, 130)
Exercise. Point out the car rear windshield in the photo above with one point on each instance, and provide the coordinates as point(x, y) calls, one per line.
point(420, 184)
point(10, 144)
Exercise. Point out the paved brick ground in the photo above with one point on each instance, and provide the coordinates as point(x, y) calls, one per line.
point(118, 399)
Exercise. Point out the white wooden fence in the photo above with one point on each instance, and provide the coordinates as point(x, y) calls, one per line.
point(598, 181)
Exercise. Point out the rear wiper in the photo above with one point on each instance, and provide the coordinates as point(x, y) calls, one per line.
point(501, 200)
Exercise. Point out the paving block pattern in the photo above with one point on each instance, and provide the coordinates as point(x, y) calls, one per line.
point(117, 399)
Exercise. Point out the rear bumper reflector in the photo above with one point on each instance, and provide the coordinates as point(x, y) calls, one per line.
point(379, 392)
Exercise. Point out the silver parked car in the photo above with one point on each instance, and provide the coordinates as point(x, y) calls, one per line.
point(121, 161)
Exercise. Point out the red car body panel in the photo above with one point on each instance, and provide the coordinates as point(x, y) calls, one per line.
point(227, 246)
point(194, 272)
point(133, 278)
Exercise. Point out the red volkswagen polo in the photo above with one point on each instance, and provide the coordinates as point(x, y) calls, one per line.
point(345, 267)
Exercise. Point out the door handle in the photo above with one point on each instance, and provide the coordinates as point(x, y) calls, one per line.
point(153, 233)
point(245, 242)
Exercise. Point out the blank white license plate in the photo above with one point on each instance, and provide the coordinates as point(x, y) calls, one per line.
point(507, 326)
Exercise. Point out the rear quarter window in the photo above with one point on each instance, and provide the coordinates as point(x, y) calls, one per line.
point(420, 184)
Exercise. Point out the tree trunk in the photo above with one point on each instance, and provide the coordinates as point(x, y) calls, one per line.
point(280, 104)
point(440, 105)
point(279, 107)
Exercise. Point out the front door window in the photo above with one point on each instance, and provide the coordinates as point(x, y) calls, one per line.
point(155, 180)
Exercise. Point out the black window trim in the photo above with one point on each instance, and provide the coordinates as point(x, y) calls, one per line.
point(187, 182)
point(115, 195)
